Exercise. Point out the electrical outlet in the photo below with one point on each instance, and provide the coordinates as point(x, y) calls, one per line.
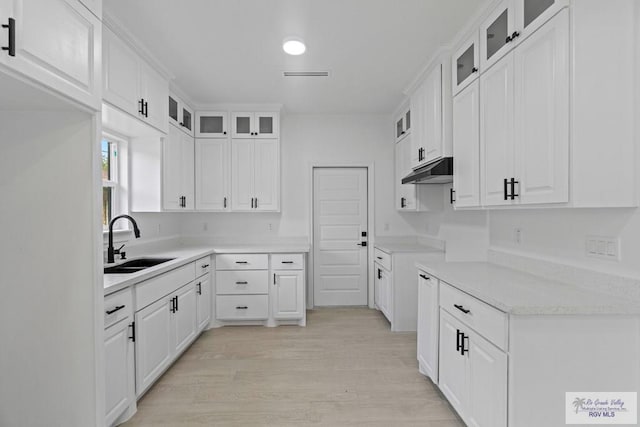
point(270, 227)
point(603, 247)
point(159, 229)
point(517, 234)
point(205, 226)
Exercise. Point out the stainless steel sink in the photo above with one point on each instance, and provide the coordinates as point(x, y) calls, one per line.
point(135, 265)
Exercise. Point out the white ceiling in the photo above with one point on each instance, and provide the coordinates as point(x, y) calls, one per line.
point(230, 51)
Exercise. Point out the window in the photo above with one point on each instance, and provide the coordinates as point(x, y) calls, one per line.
point(110, 182)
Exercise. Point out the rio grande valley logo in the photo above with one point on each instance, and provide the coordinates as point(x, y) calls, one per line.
point(601, 407)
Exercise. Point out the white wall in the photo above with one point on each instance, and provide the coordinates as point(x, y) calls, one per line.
point(560, 234)
point(326, 139)
point(47, 265)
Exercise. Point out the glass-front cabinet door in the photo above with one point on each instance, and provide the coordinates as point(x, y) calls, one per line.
point(173, 110)
point(532, 14)
point(497, 34)
point(403, 125)
point(211, 124)
point(187, 120)
point(242, 125)
point(466, 66)
point(266, 125)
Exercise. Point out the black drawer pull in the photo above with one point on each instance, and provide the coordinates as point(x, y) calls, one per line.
point(204, 266)
point(242, 262)
point(118, 308)
point(425, 277)
point(287, 262)
point(379, 257)
point(242, 283)
point(241, 307)
point(462, 309)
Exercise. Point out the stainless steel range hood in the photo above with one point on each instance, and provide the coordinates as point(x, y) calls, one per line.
point(437, 172)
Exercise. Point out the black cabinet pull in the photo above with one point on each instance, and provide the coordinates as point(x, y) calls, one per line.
point(425, 277)
point(462, 309)
point(11, 30)
point(274, 279)
point(242, 262)
point(506, 183)
point(173, 305)
point(204, 266)
point(515, 35)
point(379, 274)
point(199, 285)
point(513, 194)
point(256, 203)
point(403, 202)
point(146, 109)
point(177, 309)
point(252, 203)
point(474, 70)
point(133, 331)
point(224, 133)
point(118, 308)
point(241, 307)
point(464, 350)
point(141, 109)
point(242, 283)
point(225, 202)
point(458, 336)
point(452, 198)
point(287, 262)
point(508, 39)
point(379, 257)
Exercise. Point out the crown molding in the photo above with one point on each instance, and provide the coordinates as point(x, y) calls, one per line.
point(115, 25)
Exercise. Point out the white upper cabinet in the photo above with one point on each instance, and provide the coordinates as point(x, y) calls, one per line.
point(496, 132)
point(255, 125)
point(466, 147)
point(212, 174)
point(406, 194)
point(211, 124)
point(180, 114)
point(255, 180)
point(497, 34)
point(427, 105)
point(56, 43)
point(524, 131)
point(403, 125)
point(132, 85)
point(178, 171)
point(532, 14)
point(542, 114)
point(466, 63)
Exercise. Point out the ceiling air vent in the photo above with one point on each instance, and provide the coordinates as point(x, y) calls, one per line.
point(305, 74)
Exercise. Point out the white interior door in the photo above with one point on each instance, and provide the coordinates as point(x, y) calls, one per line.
point(339, 219)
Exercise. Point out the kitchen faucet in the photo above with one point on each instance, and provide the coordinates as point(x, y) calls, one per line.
point(110, 250)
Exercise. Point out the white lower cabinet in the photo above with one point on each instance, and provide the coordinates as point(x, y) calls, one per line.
point(185, 318)
point(119, 356)
point(428, 324)
point(203, 292)
point(473, 374)
point(153, 342)
point(383, 292)
point(260, 289)
point(287, 294)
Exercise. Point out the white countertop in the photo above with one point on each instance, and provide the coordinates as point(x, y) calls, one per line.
point(186, 254)
point(519, 293)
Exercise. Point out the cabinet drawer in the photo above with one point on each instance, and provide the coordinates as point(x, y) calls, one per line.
point(203, 266)
point(242, 307)
point(287, 261)
point(382, 258)
point(117, 306)
point(242, 262)
point(242, 282)
point(153, 289)
point(484, 319)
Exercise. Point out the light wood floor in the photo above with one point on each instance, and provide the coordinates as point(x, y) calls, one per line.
point(344, 369)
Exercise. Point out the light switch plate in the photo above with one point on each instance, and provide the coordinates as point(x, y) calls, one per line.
point(603, 247)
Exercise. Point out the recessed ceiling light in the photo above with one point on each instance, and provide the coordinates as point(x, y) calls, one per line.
point(294, 46)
